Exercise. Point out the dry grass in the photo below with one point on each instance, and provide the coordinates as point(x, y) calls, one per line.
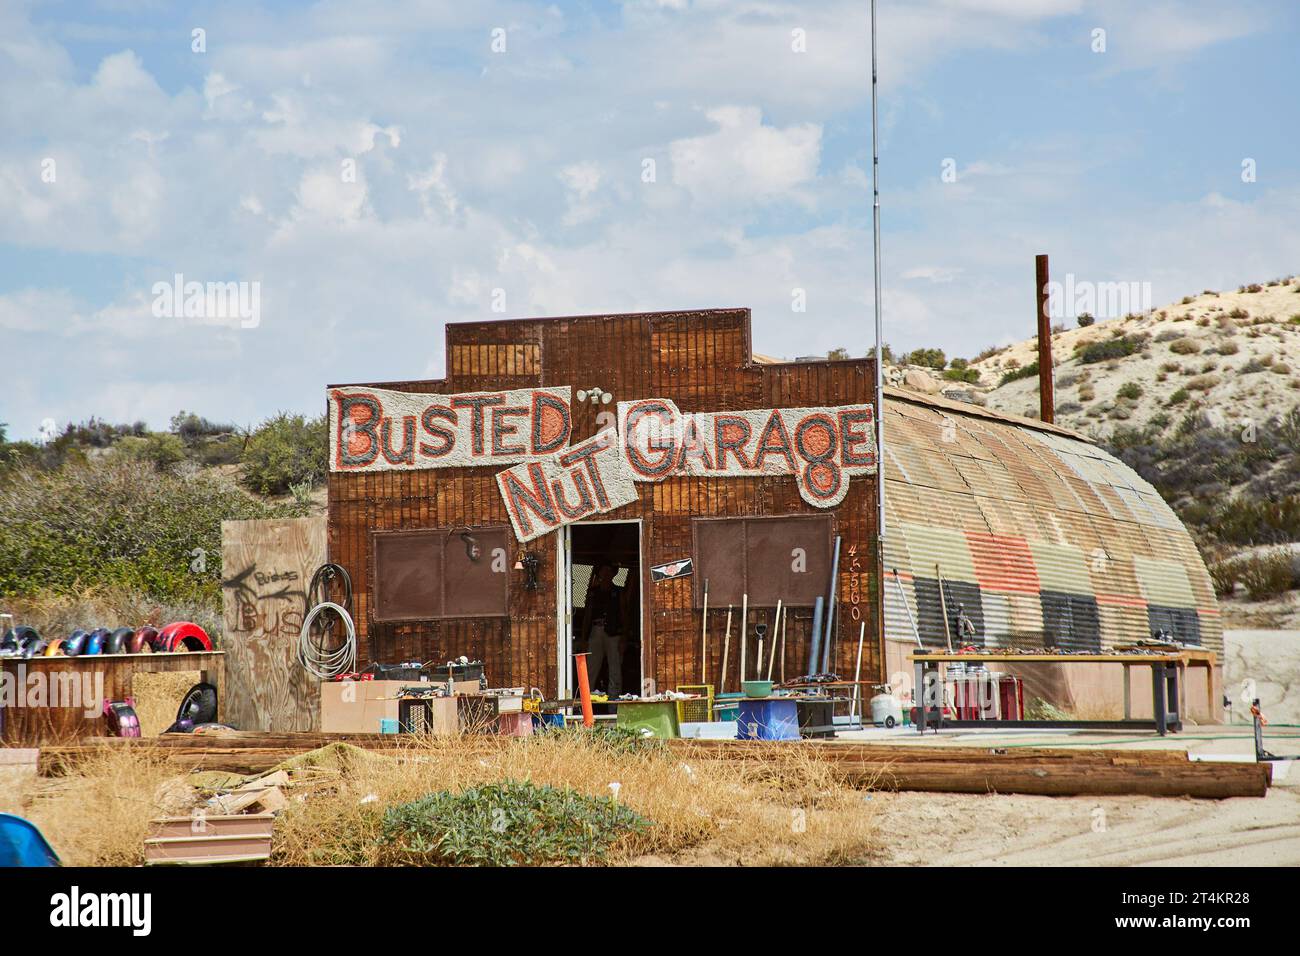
point(158, 697)
point(97, 815)
point(789, 811)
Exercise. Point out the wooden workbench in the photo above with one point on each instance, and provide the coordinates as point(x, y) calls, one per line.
point(1173, 702)
point(91, 679)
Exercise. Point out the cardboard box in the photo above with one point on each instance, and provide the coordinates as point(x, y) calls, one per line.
point(356, 707)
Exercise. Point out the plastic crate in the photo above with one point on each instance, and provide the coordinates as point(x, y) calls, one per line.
point(727, 707)
point(659, 717)
point(770, 719)
point(695, 711)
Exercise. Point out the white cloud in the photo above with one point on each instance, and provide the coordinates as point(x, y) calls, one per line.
point(526, 178)
point(745, 161)
point(435, 192)
point(38, 310)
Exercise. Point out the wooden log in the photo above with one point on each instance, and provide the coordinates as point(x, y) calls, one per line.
point(1030, 770)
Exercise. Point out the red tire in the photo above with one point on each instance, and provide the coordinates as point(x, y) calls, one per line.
point(183, 636)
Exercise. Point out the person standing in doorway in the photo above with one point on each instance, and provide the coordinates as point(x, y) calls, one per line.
point(602, 623)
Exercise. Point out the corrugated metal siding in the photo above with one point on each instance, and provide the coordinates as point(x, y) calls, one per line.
point(1046, 539)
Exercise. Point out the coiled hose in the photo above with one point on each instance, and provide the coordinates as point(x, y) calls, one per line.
point(322, 663)
point(317, 653)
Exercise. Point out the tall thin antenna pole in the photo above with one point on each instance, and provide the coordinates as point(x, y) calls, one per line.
point(875, 226)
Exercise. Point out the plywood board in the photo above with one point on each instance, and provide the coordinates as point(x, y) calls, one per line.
point(266, 569)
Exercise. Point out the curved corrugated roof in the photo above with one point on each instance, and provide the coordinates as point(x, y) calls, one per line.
point(1042, 537)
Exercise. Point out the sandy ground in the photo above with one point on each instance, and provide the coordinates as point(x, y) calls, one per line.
point(1012, 830)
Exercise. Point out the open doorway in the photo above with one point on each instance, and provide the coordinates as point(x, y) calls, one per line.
point(604, 604)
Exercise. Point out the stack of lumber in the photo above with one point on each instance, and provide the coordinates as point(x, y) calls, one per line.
point(943, 769)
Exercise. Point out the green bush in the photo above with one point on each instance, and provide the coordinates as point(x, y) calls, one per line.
point(1180, 396)
point(1015, 374)
point(1118, 347)
point(284, 451)
point(116, 523)
point(930, 358)
point(611, 738)
point(191, 427)
point(1085, 319)
point(505, 824)
point(1130, 390)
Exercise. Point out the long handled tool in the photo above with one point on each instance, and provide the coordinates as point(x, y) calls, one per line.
point(726, 651)
point(776, 631)
point(857, 671)
point(902, 596)
point(704, 637)
point(744, 633)
point(943, 606)
point(785, 624)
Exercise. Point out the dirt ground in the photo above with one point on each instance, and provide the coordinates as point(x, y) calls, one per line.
point(943, 829)
point(950, 829)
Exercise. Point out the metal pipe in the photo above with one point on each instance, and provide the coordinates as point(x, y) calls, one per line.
point(876, 269)
point(902, 596)
point(813, 657)
point(785, 626)
point(744, 634)
point(726, 652)
point(776, 631)
point(857, 671)
point(830, 608)
point(704, 637)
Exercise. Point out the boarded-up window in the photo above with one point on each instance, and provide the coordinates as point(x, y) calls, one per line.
point(770, 559)
point(476, 588)
point(428, 574)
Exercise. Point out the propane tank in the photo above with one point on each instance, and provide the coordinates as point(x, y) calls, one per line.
point(886, 709)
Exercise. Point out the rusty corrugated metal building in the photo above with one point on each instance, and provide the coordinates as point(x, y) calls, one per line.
point(1041, 537)
point(1044, 538)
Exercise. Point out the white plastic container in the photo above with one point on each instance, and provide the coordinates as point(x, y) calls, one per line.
point(886, 710)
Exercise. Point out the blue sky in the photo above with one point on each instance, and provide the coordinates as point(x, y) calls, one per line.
point(515, 177)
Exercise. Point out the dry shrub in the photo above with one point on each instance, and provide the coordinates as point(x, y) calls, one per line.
point(1266, 575)
point(57, 615)
point(792, 809)
point(98, 812)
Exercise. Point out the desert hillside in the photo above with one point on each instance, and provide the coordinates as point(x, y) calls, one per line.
point(1233, 354)
point(1202, 398)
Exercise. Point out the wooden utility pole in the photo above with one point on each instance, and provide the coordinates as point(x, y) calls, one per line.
point(1046, 395)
